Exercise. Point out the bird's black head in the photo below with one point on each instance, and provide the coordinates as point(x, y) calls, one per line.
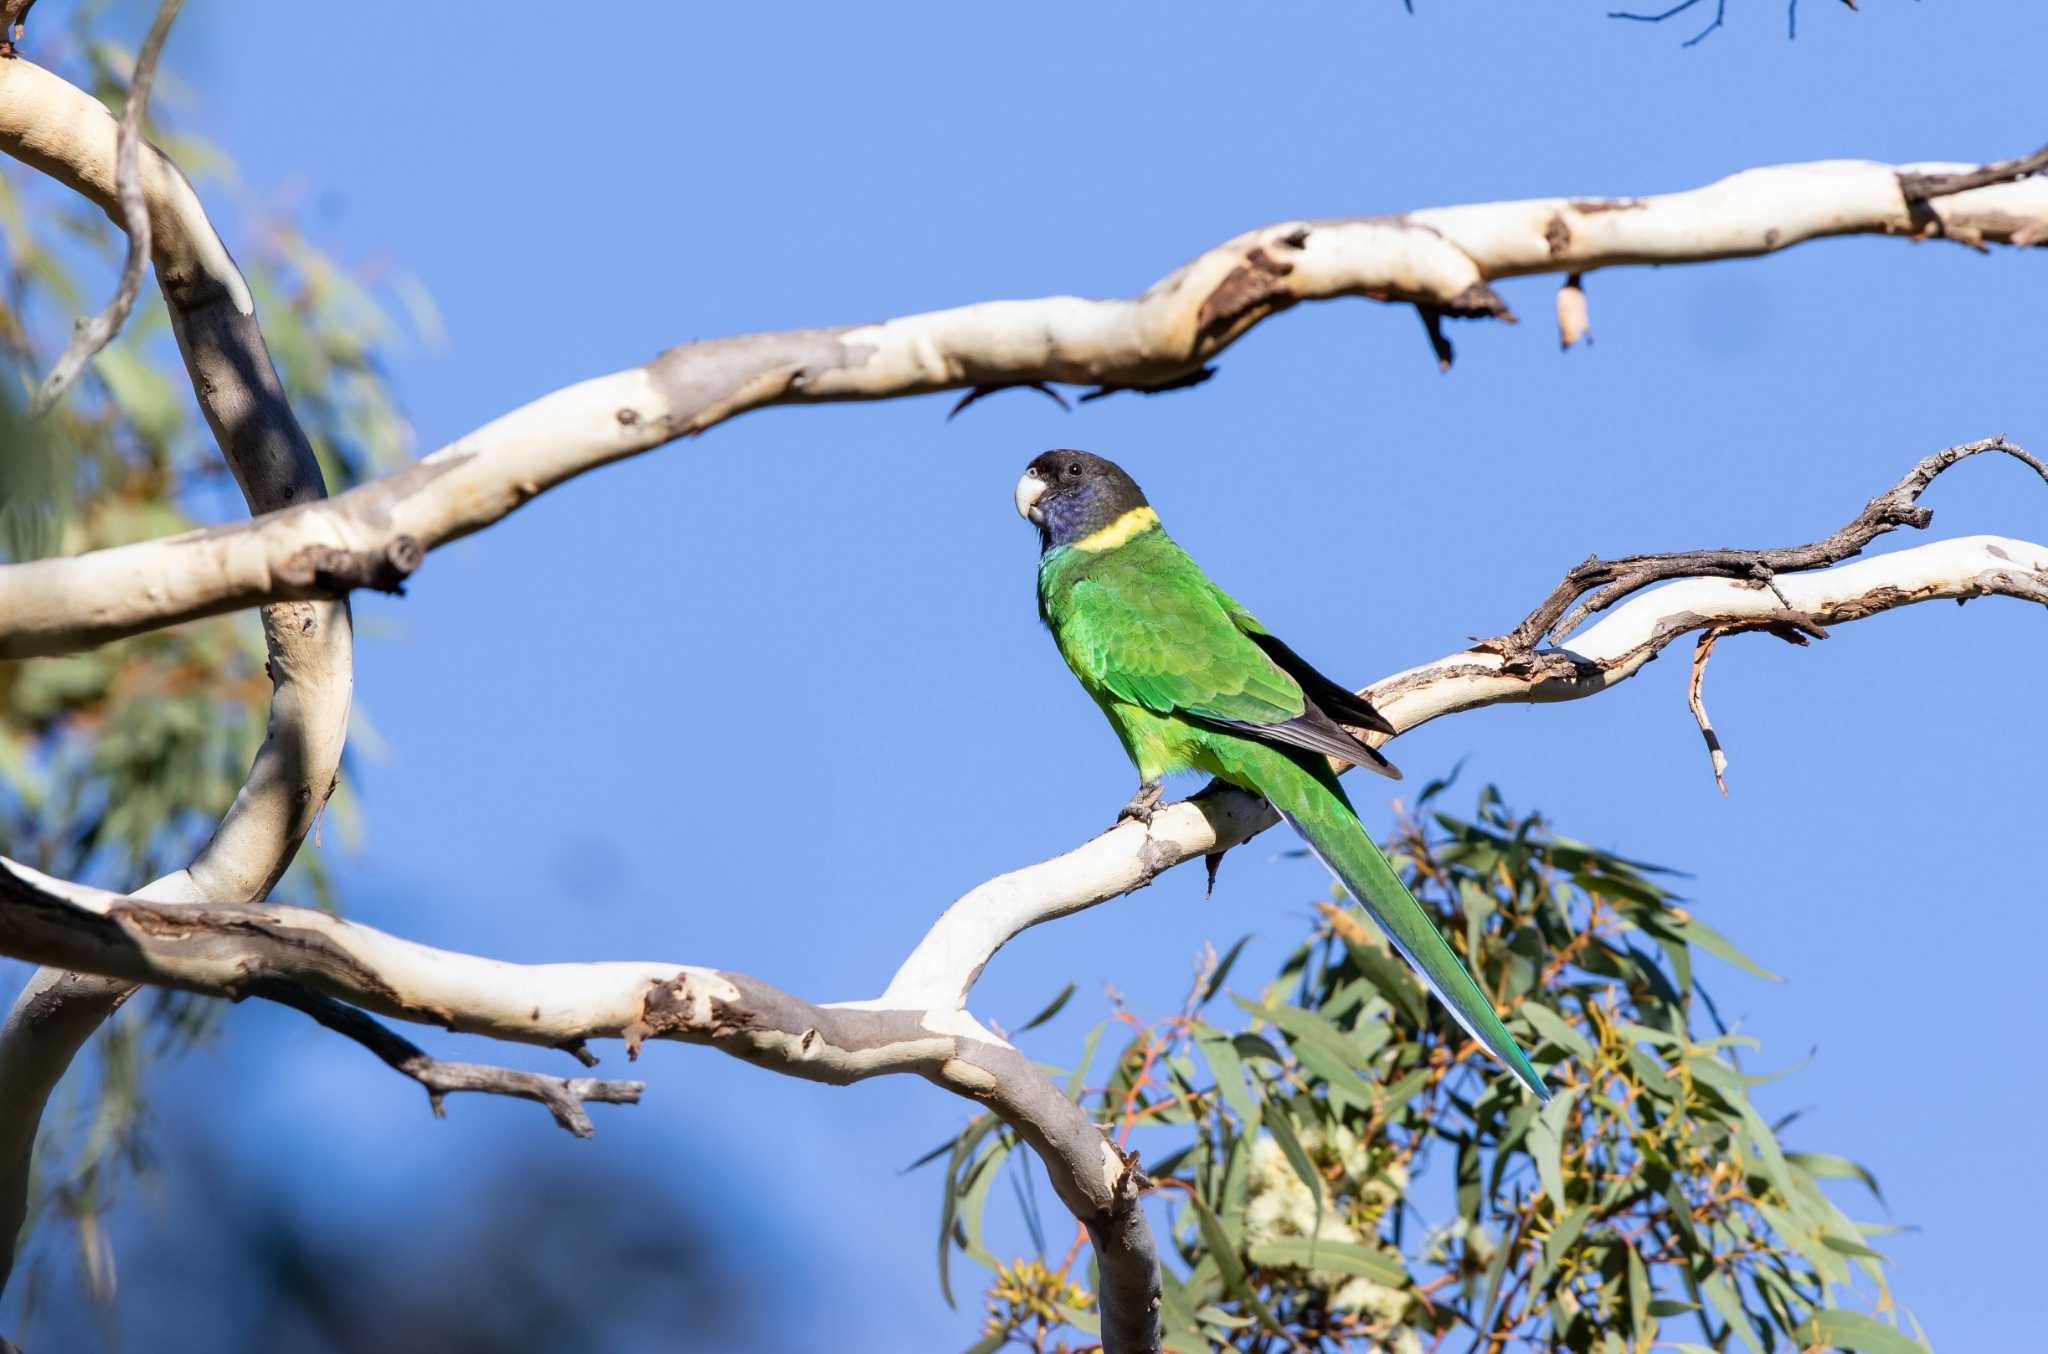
point(1071, 495)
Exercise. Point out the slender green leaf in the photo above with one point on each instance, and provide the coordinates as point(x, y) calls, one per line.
point(1334, 1071)
point(1223, 1248)
point(949, 1207)
point(1730, 1307)
point(929, 1157)
point(1546, 1144)
point(1854, 1330)
point(1698, 933)
point(1337, 1257)
point(1223, 968)
point(1847, 1247)
point(1560, 1241)
point(1553, 1028)
point(1390, 977)
point(1217, 1047)
point(1052, 1009)
point(1829, 1166)
point(1641, 1319)
point(1278, 1125)
point(975, 1200)
point(1080, 1071)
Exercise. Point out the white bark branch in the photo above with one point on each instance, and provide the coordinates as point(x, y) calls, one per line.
point(222, 941)
point(236, 950)
point(1441, 260)
point(49, 124)
point(946, 963)
point(920, 1025)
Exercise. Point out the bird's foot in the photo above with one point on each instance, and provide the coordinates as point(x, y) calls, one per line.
point(1143, 804)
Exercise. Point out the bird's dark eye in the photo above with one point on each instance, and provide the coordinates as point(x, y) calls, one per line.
point(1073, 467)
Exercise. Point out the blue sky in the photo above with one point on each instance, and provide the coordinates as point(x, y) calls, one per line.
point(566, 775)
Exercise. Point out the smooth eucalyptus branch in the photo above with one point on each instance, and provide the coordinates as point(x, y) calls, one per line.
point(64, 132)
point(919, 1025)
point(1442, 260)
point(947, 961)
point(238, 950)
point(89, 336)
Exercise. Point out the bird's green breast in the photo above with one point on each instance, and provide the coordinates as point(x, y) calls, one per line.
point(1088, 621)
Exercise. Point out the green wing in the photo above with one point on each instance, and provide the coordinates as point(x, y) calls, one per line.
point(1147, 627)
point(1337, 700)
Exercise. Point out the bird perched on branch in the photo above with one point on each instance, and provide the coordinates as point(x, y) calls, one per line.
point(1192, 682)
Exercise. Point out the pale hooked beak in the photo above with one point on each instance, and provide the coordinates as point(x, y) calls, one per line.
point(1028, 490)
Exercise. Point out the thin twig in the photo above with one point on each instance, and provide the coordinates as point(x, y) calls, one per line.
point(88, 337)
point(1720, 13)
point(1794, 627)
point(1920, 187)
point(563, 1096)
point(1700, 655)
point(982, 392)
point(1598, 584)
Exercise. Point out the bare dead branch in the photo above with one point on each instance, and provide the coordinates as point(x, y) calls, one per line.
point(1919, 187)
point(1597, 584)
point(1439, 346)
point(982, 392)
point(1720, 15)
point(1700, 654)
point(1793, 628)
point(563, 1096)
point(89, 336)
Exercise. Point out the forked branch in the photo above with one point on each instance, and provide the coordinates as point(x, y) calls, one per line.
point(563, 1096)
point(89, 336)
point(1597, 584)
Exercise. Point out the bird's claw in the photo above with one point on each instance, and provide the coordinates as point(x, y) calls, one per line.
point(1144, 804)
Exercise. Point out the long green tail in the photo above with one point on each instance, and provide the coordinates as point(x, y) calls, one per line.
point(1305, 792)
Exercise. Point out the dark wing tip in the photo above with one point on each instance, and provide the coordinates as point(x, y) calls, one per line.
point(1316, 732)
point(1373, 761)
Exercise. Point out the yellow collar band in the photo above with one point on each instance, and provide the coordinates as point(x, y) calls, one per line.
point(1119, 531)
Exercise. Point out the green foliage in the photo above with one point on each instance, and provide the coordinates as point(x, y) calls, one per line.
point(1340, 1167)
point(115, 764)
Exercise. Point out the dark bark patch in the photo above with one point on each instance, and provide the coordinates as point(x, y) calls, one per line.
point(1250, 286)
point(1592, 206)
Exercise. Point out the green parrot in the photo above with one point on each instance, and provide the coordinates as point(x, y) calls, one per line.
point(1192, 682)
